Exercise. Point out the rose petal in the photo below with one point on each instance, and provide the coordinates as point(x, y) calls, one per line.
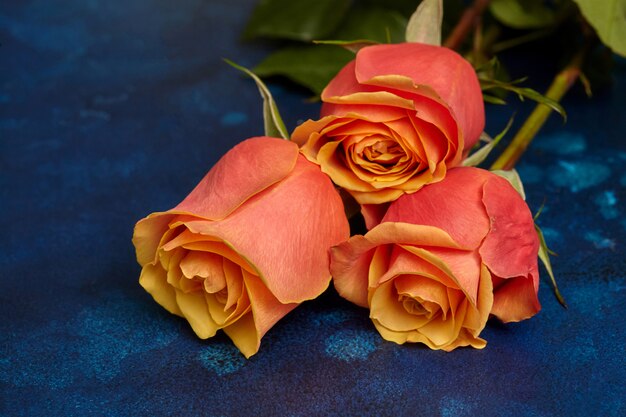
point(334, 165)
point(432, 140)
point(465, 338)
point(442, 69)
point(186, 237)
point(386, 310)
point(442, 332)
point(459, 193)
point(305, 201)
point(244, 335)
point(516, 299)
point(170, 261)
point(373, 214)
point(343, 83)
point(426, 289)
point(411, 234)
point(205, 265)
point(350, 261)
point(147, 235)
point(230, 183)
point(398, 337)
point(216, 310)
point(374, 104)
point(153, 280)
point(223, 316)
point(379, 265)
point(384, 113)
point(195, 309)
point(410, 260)
point(234, 283)
point(376, 197)
point(510, 249)
point(313, 134)
point(349, 266)
point(266, 308)
point(476, 317)
point(221, 248)
point(465, 265)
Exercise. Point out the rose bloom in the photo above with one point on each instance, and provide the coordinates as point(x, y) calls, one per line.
point(442, 260)
point(395, 119)
point(247, 245)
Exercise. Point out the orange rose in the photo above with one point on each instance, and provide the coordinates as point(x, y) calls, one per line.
point(247, 245)
point(442, 260)
point(395, 119)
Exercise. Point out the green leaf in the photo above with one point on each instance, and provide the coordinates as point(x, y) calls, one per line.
point(513, 178)
point(524, 14)
point(493, 99)
point(314, 66)
point(523, 92)
point(539, 98)
point(405, 7)
point(373, 23)
point(608, 18)
point(311, 66)
point(480, 155)
point(531, 36)
point(272, 121)
point(544, 255)
point(425, 24)
point(352, 46)
point(302, 20)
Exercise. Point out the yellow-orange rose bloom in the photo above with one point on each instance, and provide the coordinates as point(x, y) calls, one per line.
point(395, 119)
point(442, 260)
point(247, 245)
point(418, 283)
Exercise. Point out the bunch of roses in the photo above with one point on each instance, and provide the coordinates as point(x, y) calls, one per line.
point(265, 229)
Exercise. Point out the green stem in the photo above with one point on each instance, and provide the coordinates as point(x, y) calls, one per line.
point(468, 21)
point(560, 85)
point(521, 40)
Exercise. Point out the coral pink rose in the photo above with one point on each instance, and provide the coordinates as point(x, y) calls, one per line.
point(442, 259)
point(395, 119)
point(247, 245)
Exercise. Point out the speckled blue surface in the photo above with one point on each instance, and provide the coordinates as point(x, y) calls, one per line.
point(110, 110)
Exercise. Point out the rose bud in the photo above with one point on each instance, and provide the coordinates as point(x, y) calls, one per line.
point(442, 259)
point(395, 119)
point(247, 245)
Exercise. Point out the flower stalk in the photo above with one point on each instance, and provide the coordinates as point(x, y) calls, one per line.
point(560, 85)
point(466, 24)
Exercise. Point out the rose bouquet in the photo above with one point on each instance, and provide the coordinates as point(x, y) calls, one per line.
point(447, 245)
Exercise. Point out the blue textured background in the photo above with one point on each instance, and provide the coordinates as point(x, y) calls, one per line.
point(110, 110)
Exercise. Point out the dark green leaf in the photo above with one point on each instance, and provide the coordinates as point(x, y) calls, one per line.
point(404, 7)
point(480, 155)
point(540, 98)
point(311, 66)
point(523, 14)
point(523, 92)
point(493, 99)
point(528, 37)
point(373, 23)
point(513, 178)
point(352, 46)
point(608, 18)
point(302, 20)
point(274, 125)
point(425, 24)
point(544, 255)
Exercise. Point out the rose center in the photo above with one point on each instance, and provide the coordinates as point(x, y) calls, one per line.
point(383, 152)
point(222, 296)
point(414, 307)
